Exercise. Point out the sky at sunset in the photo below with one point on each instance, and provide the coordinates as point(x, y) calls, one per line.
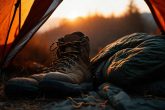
point(72, 9)
point(80, 8)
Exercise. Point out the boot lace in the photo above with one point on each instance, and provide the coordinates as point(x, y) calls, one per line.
point(62, 59)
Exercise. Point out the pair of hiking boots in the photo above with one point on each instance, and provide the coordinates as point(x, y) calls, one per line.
point(63, 77)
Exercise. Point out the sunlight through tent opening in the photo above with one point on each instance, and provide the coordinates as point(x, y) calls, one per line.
point(71, 9)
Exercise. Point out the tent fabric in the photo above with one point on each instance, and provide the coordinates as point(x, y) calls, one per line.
point(5, 20)
point(157, 8)
point(29, 16)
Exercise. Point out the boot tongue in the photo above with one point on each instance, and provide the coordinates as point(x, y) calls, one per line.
point(76, 36)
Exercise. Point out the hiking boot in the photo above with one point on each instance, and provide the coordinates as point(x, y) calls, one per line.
point(24, 86)
point(72, 60)
point(68, 69)
point(71, 65)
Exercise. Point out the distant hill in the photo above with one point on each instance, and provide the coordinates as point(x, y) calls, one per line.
point(150, 22)
point(148, 16)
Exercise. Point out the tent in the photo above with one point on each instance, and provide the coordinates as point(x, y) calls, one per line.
point(157, 8)
point(20, 19)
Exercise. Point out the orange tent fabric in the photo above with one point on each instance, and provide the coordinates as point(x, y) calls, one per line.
point(19, 20)
point(157, 8)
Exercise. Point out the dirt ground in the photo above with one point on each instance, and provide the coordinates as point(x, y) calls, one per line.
point(22, 104)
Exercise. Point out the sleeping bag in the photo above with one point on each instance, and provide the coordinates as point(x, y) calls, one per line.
point(132, 61)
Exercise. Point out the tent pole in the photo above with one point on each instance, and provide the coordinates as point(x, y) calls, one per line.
point(16, 6)
point(7, 37)
point(20, 16)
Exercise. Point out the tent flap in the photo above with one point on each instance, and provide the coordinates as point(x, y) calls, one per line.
point(29, 17)
point(157, 8)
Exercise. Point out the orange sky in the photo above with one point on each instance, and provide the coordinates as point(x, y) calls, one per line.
point(71, 9)
point(79, 8)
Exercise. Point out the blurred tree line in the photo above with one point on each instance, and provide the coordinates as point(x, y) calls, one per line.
point(101, 31)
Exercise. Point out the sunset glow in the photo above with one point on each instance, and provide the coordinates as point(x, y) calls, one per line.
point(72, 9)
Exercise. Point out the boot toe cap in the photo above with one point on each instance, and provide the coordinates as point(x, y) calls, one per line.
point(23, 87)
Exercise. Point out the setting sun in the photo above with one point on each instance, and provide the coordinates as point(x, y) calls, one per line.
point(72, 9)
point(73, 15)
